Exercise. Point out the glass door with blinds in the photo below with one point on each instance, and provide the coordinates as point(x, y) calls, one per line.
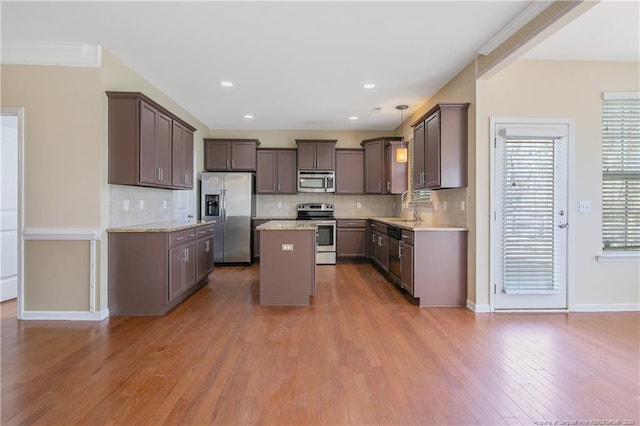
point(531, 216)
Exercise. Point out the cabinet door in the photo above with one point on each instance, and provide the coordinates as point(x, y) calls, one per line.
point(432, 161)
point(325, 156)
point(204, 258)
point(373, 167)
point(286, 163)
point(306, 156)
point(384, 252)
point(164, 126)
point(406, 266)
point(182, 157)
point(190, 266)
point(243, 156)
point(148, 166)
point(177, 258)
point(266, 172)
point(351, 242)
point(418, 156)
point(349, 172)
point(216, 156)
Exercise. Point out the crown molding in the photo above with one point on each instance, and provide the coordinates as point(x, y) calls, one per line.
point(51, 53)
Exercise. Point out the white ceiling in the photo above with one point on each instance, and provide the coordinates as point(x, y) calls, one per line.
point(295, 65)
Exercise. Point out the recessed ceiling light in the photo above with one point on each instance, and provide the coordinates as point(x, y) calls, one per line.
point(353, 117)
point(248, 116)
point(226, 84)
point(369, 85)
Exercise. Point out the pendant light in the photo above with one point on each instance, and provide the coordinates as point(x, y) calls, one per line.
point(401, 153)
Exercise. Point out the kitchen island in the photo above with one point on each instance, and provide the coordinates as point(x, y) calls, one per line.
point(287, 262)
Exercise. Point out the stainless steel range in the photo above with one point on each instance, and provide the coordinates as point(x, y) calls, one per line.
point(322, 213)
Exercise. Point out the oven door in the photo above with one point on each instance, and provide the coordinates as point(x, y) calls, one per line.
point(326, 235)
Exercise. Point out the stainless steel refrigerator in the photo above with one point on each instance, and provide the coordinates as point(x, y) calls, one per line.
point(228, 200)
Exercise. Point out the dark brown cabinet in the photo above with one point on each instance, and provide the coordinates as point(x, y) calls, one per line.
point(230, 154)
point(316, 154)
point(406, 261)
point(440, 137)
point(256, 236)
point(383, 172)
point(204, 252)
point(351, 238)
point(182, 157)
point(151, 272)
point(276, 171)
point(141, 143)
point(380, 245)
point(349, 171)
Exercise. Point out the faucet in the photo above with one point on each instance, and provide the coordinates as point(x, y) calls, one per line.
point(416, 215)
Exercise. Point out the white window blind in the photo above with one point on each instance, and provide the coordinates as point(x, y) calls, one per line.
point(529, 232)
point(621, 171)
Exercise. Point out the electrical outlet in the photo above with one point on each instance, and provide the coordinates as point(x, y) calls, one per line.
point(164, 204)
point(126, 205)
point(358, 205)
point(287, 247)
point(585, 206)
point(141, 204)
point(279, 204)
point(462, 206)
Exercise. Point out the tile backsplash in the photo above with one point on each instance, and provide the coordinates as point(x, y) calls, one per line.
point(448, 207)
point(345, 206)
point(148, 205)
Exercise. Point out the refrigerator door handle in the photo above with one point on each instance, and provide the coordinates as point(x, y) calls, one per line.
point(224, 204)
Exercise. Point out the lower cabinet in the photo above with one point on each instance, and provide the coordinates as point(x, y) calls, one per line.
point(433, 263)
point(256, 236)
point(352, 239)
point(151, 272)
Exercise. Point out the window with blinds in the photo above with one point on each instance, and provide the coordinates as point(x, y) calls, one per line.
point(416, 194)
point(621, 171)
point(528, 215)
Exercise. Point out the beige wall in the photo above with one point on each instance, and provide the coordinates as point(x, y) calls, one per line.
point(572, 90)
point(62, 168)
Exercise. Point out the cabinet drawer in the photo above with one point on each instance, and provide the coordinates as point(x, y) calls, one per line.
point(181, 237)
point(407, 237)
point(204, 231)
point(379, 227)
point(352, 223)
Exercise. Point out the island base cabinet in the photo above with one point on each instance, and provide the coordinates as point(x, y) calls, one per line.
point(287, 267)
point(440, 268)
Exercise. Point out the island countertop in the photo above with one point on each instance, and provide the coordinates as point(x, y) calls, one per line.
point(288, 225)
point(168, 226)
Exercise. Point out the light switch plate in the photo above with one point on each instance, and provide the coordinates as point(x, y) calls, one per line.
point(126, 205)
point(279, 204)
point(585, 206)
point(164, 204)
point(141, 204)
point(358, 205)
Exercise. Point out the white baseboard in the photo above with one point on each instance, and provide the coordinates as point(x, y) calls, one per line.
point(478, 309)
point(65, 315)
point(611, 307)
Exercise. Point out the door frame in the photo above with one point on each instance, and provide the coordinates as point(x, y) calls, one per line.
point(19, 112)
point(571, 203)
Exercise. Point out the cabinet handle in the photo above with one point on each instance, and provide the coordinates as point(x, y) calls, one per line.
point(206, 246)
point(278, 187)
point(373, 239)
point(379, 241)
point(160, 173)
point(227, 164)
point(179, 238)
point(400, 251)
point(379, 186)
point(187, 254)
point(388, 186)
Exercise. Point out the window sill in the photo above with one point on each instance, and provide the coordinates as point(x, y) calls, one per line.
point(633, 256)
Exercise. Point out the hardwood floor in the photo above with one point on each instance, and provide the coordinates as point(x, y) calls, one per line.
point(361, 354)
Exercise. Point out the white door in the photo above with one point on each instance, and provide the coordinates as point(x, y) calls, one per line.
point(9, 207)
point(531, 216)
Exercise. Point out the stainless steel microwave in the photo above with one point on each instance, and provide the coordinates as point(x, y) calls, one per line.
point(316, 181)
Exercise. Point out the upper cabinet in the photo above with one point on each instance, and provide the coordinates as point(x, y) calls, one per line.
point(316, 154)
point(440, 138)
point(384, 171)
point(230, 155)
point(349, 171)
point(276, 172)
point(146, 142)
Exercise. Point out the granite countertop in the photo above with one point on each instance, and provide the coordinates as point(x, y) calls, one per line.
point(413, 226)
point(288, 225)
point(169, 226)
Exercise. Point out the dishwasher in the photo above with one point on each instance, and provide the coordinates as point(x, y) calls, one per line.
point(395, 268)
